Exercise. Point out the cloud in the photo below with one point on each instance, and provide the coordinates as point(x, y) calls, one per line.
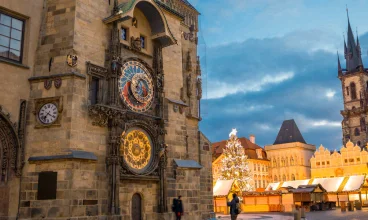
point(257, 84)
point(219, 89)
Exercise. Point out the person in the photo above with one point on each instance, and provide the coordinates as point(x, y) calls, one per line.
point(178, 208)
point(232, 205)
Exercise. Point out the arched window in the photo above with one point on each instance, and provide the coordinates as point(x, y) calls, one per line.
point(284, 178)
point(286, 161)
point(274, 164)
point(259, 167)
point(137, 206)
point(275, 179)
point(358, 143)
point(282, 162)
point(292, 177)
point(356, 132)
point(291, 161)
point(353, 91)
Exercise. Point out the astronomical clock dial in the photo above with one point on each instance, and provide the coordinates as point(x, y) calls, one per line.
point(48, 113)
point(136, 86)
point(137, 150)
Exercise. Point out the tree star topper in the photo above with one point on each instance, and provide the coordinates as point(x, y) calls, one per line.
point(233, 132)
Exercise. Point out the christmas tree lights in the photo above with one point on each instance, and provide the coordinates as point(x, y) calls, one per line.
point(235, 164)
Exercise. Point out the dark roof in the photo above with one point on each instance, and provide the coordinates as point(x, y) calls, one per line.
point(289, 133)
point(249, 148)
point(308, 188)
point(187, 164)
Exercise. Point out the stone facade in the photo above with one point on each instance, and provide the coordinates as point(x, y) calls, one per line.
point(72, 54)
point(349, 161)
point(354, 85)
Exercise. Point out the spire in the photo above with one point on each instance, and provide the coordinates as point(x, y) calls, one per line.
point(289, 133)
point(351, 51)
point(339, 70)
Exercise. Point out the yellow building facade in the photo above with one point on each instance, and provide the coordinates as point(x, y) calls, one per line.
point(257, 161)
point(350, 160)
point(290, 154)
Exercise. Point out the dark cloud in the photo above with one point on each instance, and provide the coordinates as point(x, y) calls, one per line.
point(303, 97)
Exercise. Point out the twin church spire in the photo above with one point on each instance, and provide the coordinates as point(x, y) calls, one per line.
point(352, 53)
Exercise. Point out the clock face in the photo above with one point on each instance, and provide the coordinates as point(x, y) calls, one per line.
point(48, 113)
point(136, 86)
point(137, 150)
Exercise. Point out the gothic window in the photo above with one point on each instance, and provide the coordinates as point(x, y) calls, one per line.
point(353, 91)
point(362, 124)
point(94, 90)
point(11, 37)
point(143, 42)
point(347, 90)
point(292, 177)
point(124, 33)
point(358, 143)
point(47, 182)
point(356, 132)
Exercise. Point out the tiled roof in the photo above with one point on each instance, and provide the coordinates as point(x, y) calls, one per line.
point(289, 133)
point(249, 148)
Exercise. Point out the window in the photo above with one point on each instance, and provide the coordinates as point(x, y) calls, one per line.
point(124, 33)
point(255, 167)
point(259, 184)
point(328, 162)
point(259, 167)
point(351, 160)
point(47, 182)
point(94, 90)
point(11, 37)
point(358, 159)
point(323, 163)
point(356, 132)
point(347, 90)
point(358, 143)
point(346, 160)
point(292, 177)
point(353, 91)
point(275, 178)
point(291, 161)
point(318, 163)
point(283, 178)
point(143, 42)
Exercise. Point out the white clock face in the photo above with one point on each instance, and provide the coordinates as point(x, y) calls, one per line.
point(48, 113)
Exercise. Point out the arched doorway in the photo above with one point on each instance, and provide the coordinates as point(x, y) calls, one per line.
point(137, 207)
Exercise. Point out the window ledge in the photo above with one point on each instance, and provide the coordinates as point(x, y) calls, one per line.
point(2, 60)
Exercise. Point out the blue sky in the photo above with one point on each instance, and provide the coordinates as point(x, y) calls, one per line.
point(265, 61)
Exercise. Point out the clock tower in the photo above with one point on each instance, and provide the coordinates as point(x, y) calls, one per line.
point(354, 82)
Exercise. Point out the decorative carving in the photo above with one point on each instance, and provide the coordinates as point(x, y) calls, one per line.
point(199, 88)
point(47, 84)
point(136, 44)
point(189, 62)
point(57, 82)
point(198, 69)
point(95, 70)
point(39, 103)
point(135, 22)
point(190, 36)
point(9, 148)
point(72, 60)
point(175, 108)
point(21, 136)
point(189, 85)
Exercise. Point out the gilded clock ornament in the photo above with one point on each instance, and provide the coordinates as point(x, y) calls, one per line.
point(48, 113)
point(136, 86)
point(137, 150)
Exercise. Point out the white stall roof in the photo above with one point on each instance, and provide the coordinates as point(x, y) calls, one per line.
point(222, 187)
point(354, 183)
point(330, 184)
point(272, 186)
point(295, 183)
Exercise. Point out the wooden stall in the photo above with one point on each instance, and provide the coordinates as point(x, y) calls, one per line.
point(267, 201)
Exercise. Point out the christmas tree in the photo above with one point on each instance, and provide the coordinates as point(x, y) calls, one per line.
point(235, 164)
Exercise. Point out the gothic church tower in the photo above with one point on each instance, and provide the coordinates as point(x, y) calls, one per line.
point(354, 81)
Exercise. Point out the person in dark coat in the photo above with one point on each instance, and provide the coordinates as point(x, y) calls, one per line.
point(178, 208)
point(232, 205)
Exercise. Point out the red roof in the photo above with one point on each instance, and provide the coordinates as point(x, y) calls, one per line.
point(249, 148)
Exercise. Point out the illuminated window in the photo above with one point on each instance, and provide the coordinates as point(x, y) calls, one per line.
point(346, 160)
point(11, 37)
point(323, 163)
point(328, 162)
point(318, 163)
point(351, 160)
point(358, 159)
point(292, 177)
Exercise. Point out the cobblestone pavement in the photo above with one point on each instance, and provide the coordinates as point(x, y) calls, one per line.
point(318, 215)
point(338, 215)
point(266, 215)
